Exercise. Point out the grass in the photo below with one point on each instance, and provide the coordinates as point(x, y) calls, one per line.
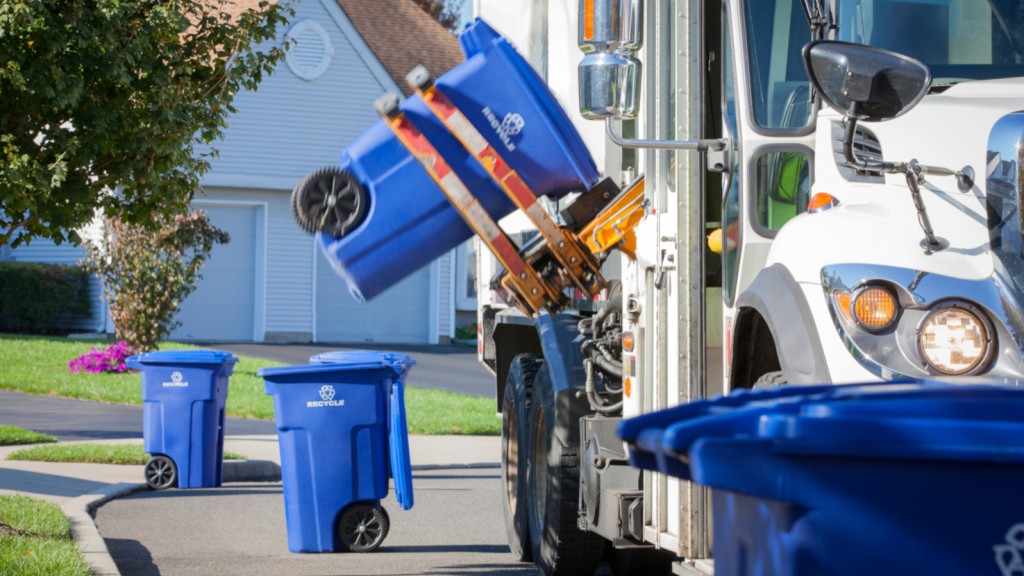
point(92, 453)
point(38, 365)
point(35, 538)
point(14, 436)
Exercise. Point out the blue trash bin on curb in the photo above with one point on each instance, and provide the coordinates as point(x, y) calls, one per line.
point(184, 395)
point(886, 479)
point(342, 433)
point(409, 222)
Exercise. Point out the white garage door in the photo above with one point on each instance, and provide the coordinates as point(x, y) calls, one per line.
point(223, 305)
point(398, 315)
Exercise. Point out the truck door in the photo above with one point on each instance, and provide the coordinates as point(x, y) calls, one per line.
point(769, 115)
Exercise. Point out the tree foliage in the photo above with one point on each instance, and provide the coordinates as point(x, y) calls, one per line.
point(105, 103)
point(446, 12)
point(146, 275)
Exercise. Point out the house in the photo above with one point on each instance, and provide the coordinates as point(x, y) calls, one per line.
point(270, 283)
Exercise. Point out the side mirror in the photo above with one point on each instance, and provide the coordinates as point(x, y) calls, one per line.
point(864, 82)
point(609, 74)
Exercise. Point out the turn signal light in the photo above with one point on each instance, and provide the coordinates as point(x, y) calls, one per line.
point(627, 342)
point(874, 308)
point(843, 305)
point(822, 201)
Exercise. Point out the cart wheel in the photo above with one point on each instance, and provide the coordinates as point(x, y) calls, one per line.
point(329, 200)
point(161, 473)
point(363, 527)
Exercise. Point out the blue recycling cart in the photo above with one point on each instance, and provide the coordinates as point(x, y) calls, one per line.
point(889, 479)
point(184, 395)
point(409, 222)
point(342, 433)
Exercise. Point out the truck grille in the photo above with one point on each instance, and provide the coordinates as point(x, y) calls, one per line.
point(865, 145)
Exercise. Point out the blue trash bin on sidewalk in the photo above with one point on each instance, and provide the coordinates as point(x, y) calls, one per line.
point(409, 221)
point(888, 479)
point(335, 422)
point(184, 395)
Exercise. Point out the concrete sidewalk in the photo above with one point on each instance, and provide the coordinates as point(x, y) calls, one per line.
point(81, 488)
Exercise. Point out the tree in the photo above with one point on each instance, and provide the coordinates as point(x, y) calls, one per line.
point(446, 12)
point(106, 102)
point(146, 275)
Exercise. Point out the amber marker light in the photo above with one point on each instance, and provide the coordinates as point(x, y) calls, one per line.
point(627, 342)
point(588, 19)
point(822, 201)
point(843, 304)
point(627, 387)
point(874, 308)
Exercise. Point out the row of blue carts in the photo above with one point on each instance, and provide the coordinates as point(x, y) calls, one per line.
point(897, 478)
point(341, 429)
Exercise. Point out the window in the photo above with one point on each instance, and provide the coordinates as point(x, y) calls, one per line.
point(777, 31)
point(783, 187)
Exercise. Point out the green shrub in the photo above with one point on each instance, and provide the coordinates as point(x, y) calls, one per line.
point(42, 298)
point(147, 273)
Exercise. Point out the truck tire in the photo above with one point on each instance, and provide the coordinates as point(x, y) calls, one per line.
point(514, 449)
point(559, 547)
point(770, 380)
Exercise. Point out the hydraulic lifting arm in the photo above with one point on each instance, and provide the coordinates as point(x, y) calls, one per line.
point(535, 278)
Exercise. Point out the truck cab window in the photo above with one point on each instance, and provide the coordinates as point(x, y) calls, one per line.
point(783, 187)
point(777, 31)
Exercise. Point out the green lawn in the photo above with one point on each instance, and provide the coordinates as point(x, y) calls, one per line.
point(14, 436)
point(94, 453)
point(39, 365)
point(35, 538)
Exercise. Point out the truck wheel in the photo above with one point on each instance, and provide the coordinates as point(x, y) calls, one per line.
point(559, 547)
point(329, 200)
point(514, 449)
point(770, 380)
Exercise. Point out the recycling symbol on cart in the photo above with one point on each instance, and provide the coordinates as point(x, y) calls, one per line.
point(176, 377)
point(512, 124)
point(327, 392)
point(1009, 555)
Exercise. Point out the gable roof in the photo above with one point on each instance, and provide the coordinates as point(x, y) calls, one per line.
point(401, 35)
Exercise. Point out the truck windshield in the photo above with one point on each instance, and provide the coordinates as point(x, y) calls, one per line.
point(958, 39)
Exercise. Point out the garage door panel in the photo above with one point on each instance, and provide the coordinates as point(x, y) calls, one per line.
point(398, 315)
point(223, 304)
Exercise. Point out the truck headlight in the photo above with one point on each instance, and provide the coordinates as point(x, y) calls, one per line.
point(956, 339)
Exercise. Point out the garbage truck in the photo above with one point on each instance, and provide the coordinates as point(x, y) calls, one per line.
point(829, 192)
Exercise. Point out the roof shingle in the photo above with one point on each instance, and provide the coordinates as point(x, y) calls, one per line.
point(402, 35)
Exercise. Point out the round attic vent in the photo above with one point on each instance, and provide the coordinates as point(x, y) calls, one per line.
point(310, 51)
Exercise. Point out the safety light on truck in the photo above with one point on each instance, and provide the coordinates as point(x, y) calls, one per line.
point(822, 201)
point(955, 340)
point(874, 308)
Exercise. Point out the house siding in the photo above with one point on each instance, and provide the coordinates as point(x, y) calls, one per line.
point(292, 126)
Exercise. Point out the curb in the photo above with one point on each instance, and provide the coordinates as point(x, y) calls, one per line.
point(81, 511)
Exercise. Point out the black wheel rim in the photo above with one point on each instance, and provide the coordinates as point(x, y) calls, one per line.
point(160, 472)
point(363, 528)
point(329, 201)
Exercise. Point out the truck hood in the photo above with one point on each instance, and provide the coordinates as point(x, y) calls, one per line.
point(877, 223)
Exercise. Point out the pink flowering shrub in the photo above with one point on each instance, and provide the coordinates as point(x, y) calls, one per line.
point(109, 359)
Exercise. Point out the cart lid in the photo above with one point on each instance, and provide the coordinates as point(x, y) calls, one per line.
point(161, 357)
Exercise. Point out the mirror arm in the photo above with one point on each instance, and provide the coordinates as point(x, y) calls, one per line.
point(700, 145)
